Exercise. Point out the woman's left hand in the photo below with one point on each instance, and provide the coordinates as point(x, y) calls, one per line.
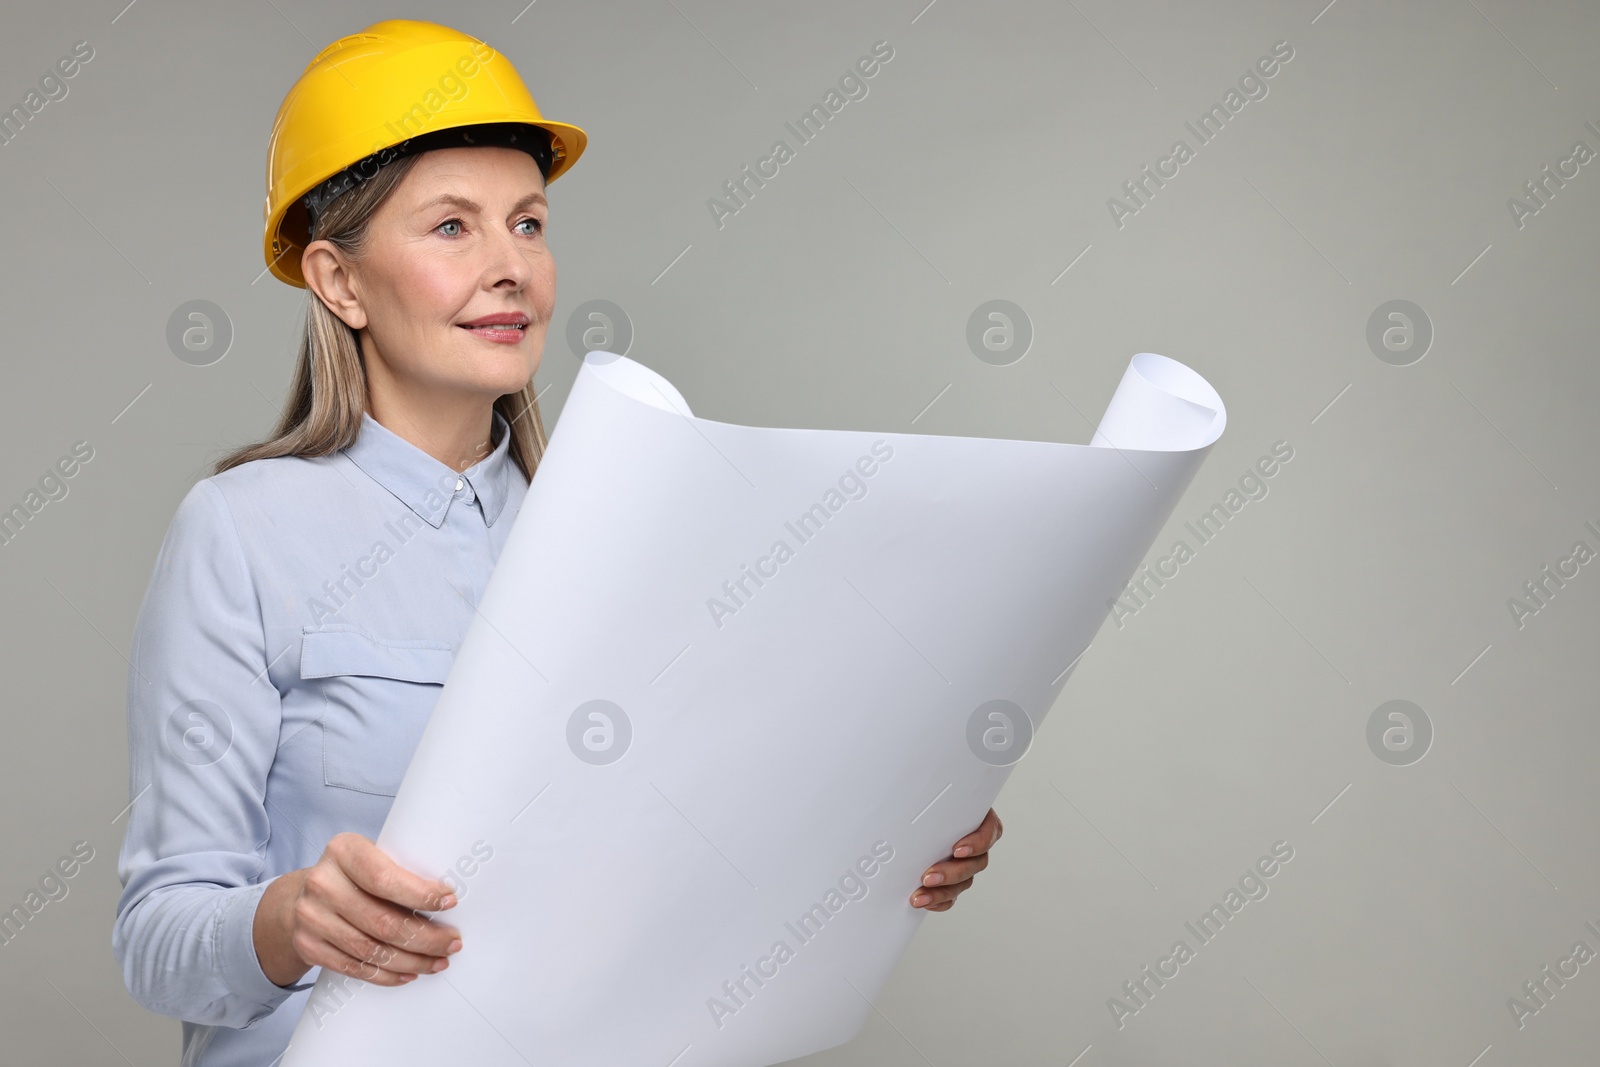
point(949, 878)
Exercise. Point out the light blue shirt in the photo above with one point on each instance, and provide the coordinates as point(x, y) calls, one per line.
point(294, 637)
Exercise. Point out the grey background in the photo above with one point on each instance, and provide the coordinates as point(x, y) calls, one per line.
point(1228, 714)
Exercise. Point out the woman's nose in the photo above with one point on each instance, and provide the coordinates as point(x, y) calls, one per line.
point(507, 259)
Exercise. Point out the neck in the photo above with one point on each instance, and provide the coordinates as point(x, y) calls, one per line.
point(456, 434)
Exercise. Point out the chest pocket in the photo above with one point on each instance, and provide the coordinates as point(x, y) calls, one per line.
point(377, 696)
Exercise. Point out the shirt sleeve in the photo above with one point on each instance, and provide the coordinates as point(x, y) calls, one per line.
point(203, 725)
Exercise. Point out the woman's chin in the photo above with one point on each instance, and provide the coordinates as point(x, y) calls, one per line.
point(500, 372)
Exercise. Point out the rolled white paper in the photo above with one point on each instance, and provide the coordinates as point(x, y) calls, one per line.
point(729, 690)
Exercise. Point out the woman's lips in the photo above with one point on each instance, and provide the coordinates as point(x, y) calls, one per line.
point(500, 335)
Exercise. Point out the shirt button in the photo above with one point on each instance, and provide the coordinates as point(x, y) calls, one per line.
point(458, 484)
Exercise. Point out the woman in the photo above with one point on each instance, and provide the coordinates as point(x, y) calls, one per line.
point(308, 599)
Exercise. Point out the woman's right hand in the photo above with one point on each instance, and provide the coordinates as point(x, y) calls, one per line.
point(353, 912)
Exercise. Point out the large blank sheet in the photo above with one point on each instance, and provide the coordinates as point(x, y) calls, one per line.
point(728, 692)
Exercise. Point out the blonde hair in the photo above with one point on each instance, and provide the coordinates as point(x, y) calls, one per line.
point(329, 393)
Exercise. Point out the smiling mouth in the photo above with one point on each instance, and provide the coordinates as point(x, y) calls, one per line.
point(502, 326)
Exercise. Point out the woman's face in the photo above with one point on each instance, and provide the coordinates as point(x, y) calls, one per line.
point(459, 239)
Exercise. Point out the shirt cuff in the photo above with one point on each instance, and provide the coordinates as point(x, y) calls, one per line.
point(241, 969)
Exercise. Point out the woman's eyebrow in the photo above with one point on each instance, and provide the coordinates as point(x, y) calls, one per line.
point(466, 204)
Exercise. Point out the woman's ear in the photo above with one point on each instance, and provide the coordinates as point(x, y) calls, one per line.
point(327, 274)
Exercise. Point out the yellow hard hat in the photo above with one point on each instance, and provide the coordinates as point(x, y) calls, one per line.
point(388, 91)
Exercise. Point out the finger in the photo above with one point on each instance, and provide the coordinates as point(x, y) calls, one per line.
point(342, 935)
point(980, 840)
point(947, 871)
point(389, 925)
point(939, 894)
point(332, 958)
point(365, 864)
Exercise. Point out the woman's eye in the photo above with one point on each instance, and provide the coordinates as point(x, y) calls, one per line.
point(538, 227)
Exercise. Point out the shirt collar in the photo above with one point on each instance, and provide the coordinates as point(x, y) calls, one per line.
point(424, 484)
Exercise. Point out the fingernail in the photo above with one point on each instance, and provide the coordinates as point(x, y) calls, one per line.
point(407, 978)
point(932, 879)
point(920, 899)
point(455, 946)
point(964, 850)
point(440, 965)
point(448, 901)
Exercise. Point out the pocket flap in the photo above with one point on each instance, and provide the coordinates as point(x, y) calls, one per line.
point(325, 653)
